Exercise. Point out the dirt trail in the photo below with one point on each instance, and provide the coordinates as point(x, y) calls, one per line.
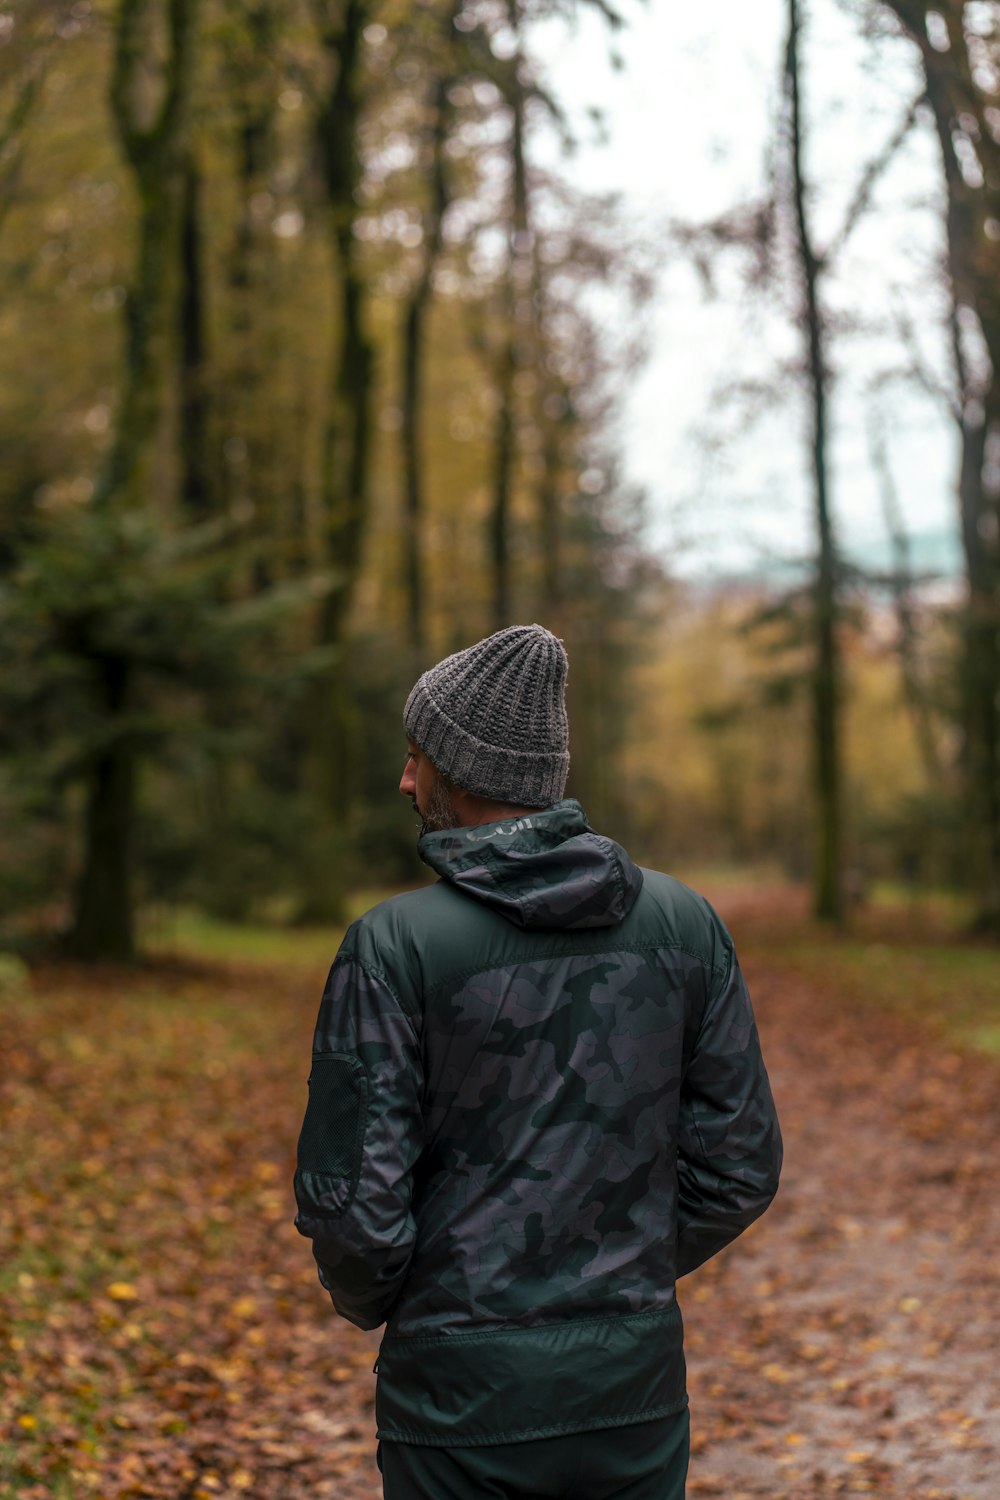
point(170, 1340)
point(850, 1344)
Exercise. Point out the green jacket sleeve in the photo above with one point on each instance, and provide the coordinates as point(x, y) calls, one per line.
point(729, 1142)
point(359, 1142)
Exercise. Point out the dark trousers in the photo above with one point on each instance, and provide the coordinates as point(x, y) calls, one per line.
point(647, 1461)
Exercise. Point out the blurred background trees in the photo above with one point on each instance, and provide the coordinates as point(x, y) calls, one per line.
point(311, 368)
point(959, 47)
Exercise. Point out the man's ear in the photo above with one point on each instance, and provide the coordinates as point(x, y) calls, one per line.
point(460, 798)
point(468, 806)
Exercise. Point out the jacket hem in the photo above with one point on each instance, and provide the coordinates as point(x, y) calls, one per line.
point(490, 1331)
point(514, 1383)
point(530, 1434)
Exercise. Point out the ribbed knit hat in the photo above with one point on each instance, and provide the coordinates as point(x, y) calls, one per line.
point(492, 718)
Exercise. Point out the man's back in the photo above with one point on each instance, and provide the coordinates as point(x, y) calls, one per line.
point(538, 1017)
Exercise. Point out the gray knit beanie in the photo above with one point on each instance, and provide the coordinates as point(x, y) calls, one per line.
point(492, 718)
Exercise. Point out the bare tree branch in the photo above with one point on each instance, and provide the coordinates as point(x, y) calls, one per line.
point(869, 180)
point(922, 376)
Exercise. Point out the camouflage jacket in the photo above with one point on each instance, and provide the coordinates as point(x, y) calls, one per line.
point(537, 1098)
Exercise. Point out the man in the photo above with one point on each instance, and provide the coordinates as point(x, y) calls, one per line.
point(537, 1098)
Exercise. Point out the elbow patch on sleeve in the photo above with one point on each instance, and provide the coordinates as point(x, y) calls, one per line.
point(330, 1144)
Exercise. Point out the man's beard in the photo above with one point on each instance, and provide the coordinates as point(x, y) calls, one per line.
point(439, 813)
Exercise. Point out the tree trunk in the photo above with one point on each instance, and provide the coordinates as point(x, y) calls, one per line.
point(150, 102)
point(826, 672)
point(414, 328)
point(153, 137)
point(555, 417)
point(345, 493)
point(197, 477)
point(504, 454)
point(347, 447)
point(251, 492)
point(125, 479)
point(962, 103)
point(333, 729)
point(103, 922)
point(981, 664)
point(507, 358)
point(550, 516)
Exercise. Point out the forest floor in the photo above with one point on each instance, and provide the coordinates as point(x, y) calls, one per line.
point(163, 1333)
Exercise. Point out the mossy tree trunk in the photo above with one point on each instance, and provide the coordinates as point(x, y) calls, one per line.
point(198, 488)
point(150, 102)
point(346, 458)
point(150, 105)
point(415, 314)
point(254, 494)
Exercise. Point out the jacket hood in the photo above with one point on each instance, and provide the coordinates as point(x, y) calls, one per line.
point(547, 869)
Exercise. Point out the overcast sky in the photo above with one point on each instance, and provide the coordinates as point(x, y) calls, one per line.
point(690, 115)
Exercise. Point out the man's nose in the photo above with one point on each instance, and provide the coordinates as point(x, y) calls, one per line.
point(408, 783)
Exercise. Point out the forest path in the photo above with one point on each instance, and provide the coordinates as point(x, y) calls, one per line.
point(849, 1343)
point(168, 1338)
